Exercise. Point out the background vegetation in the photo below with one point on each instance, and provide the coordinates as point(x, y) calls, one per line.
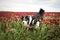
point(13, 29)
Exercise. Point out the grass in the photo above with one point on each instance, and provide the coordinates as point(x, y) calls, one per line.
point(15, 30)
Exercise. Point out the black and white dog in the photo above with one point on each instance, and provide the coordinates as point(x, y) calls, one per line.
point(30, 20)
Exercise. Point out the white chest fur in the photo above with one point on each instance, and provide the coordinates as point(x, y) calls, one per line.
point(37, 25)
point(30, 19)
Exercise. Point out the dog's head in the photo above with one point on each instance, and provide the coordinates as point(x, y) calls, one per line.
point(25, 19)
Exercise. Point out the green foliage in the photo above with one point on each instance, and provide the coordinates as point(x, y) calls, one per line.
point(17, 31)
point(1, 26)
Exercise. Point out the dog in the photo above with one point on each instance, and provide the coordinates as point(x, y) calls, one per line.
point(30, 20)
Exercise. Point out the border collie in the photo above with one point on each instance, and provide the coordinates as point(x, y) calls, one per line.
point(30, 20)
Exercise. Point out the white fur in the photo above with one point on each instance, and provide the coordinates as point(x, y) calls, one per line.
point(30, 19)
point(25, 23)
point(24, 18)
point(33, 21)
point(37, 25)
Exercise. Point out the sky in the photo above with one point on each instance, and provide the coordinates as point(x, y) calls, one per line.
point(30, 5)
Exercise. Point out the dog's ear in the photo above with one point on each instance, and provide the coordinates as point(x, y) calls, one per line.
point(27, 17)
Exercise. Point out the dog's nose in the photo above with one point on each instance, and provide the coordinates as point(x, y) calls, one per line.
point(23, 22)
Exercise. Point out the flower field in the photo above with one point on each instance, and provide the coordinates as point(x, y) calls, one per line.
point(11, 28)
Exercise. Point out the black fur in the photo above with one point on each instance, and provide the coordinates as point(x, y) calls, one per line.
point(26, 18)
point(36, 17)
point(40, 14)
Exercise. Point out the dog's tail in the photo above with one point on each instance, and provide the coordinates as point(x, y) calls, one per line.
point(41, 12)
